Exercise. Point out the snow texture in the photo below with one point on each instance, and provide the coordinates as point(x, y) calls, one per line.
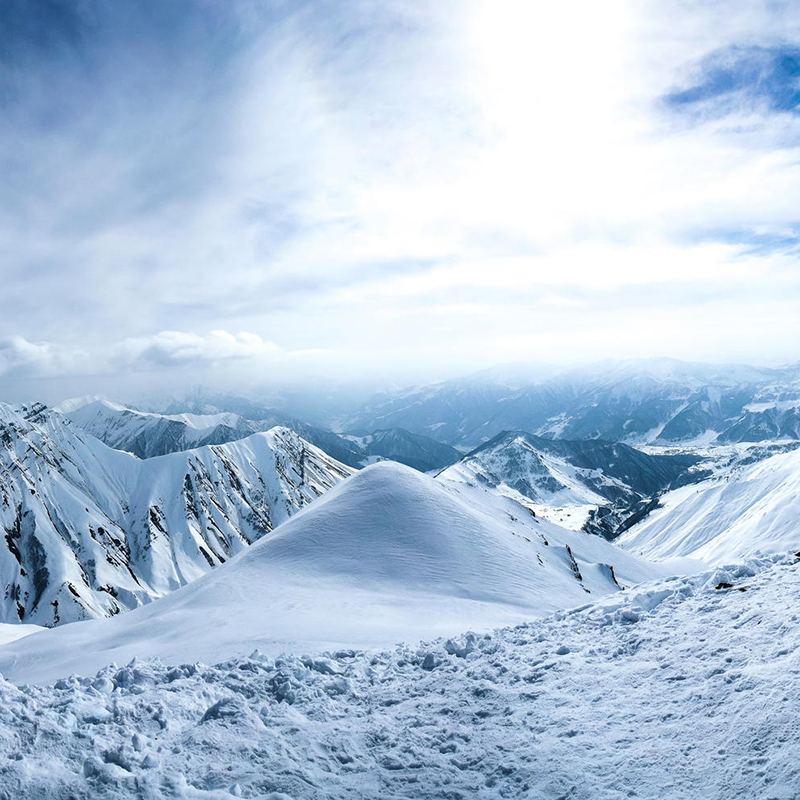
point(685, 688)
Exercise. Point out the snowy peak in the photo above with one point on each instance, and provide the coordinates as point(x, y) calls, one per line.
point(568, 474)
point(91, 531)
point(147, 434)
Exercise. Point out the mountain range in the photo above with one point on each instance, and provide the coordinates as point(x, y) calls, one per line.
point(148, 434)
point(265, 586)
point(636, 402)
point(591, 483)
point(91, 531)
point(389, 554)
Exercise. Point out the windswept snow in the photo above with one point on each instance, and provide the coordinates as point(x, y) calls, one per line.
point(389, 555)
point(686, 688)
point(10, 632)
point(752, 508)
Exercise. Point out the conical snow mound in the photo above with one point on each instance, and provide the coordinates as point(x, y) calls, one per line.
point(387, 555)
point(391, 526)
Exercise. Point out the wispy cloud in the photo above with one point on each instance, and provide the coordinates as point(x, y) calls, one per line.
point(349, 178)
point(166, 350)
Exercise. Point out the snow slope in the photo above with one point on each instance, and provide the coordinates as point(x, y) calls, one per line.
point(386, 556)
point(752, 508)
point(90, 531)
point(678, 689)
point(565, 480)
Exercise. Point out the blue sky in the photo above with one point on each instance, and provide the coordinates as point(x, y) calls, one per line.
point(207, 191)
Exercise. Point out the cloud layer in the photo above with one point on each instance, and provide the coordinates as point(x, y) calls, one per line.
point(402, 188)
point(166, 350)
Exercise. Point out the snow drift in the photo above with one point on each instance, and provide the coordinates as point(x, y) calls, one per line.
point(678, 689)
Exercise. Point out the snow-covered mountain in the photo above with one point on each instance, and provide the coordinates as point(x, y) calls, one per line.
point(91, 531)
point(656, 400)
point(148, 434)
point(765, 421)
point(389, 554)
point(750, 508)
point(411, 449)
point(567, 481)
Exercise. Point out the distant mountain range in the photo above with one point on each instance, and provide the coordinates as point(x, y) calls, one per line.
point(637, 402)
point(148, 434)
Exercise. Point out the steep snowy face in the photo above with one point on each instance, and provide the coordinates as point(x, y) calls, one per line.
point(90, 531)
point(567, 477)
point(146, 434)
point(755, 507)
point(388, 555)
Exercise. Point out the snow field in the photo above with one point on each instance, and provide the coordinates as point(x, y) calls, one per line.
point(684, 688)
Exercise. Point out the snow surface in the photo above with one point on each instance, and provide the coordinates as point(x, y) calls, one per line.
point(388, 555)
point(679, 689)
point(752, 508)
point(10, 632)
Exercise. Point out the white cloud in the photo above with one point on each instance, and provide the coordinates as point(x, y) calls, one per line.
point(178, 349)
point(21, 358)
point(167, 349)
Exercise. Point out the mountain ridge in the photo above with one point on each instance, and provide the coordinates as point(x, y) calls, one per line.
point(91, 531)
